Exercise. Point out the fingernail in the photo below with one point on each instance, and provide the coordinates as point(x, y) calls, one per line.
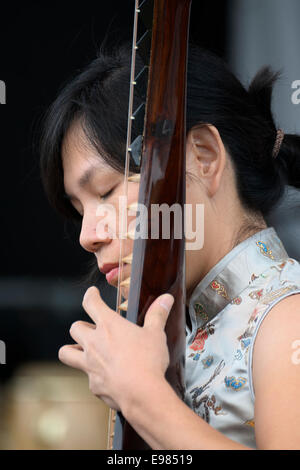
point(166, 302)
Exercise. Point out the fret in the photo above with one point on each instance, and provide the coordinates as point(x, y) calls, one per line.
point(143, 46)
point(136, 149)
point(141, 81)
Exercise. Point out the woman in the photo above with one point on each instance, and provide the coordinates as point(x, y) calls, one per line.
point(243, 328)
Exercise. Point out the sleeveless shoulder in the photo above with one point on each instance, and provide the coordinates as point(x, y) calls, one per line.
point(283, 284)
point(226, 311)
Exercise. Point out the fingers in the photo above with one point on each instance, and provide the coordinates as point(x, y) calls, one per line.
point(80, 330)
point(158, 312)
point(77, 346)
point(94, 306)
point(72, 355)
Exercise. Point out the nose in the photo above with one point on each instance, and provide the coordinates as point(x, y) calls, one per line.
point(93, 234)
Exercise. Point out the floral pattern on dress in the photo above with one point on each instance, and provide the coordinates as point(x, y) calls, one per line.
point(200, 312)
point(237, 300)
point(256, 294)
point(197, 391)
point(235, 383)
point(219, 288)
point(264, 249)
point(209, 404)
point(269, 297)
point(207, 361)
point(250, 422)
point(201, 336)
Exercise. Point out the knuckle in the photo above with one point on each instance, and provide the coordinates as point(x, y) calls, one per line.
point(90, 352)
point(75, 326)
point(93, 385)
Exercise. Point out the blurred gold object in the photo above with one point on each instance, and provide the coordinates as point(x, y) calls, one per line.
point(50, 406)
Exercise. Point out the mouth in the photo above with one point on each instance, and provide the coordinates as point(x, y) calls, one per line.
point(106, 268)
point(111, 272)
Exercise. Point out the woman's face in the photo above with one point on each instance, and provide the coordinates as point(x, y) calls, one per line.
point(95, 191)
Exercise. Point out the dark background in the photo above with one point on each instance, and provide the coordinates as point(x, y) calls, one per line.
point(42, 46)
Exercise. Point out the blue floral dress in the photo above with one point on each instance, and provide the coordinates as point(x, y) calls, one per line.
point(226, 310)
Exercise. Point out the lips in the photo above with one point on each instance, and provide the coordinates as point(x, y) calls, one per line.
point(111, 271)
point(112, 274)
point(106, 268)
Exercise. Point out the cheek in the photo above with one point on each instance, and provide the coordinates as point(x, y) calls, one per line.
point(193, 192)
point(107, 221)
point(133, 192)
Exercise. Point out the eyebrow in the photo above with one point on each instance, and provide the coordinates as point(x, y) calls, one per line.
point(84, 180)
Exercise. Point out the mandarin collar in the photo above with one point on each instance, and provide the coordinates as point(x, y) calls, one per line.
point(233, 273)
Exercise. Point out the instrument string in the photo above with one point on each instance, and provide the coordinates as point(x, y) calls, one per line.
point(123, 214)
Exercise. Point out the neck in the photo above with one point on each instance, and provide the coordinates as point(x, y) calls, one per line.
point(217, 243)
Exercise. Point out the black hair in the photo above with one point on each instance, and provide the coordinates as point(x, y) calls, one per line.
point(98, 97)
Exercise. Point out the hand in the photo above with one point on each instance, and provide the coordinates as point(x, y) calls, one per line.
point(116, 354)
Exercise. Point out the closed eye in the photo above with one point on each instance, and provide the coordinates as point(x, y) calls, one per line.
point(103, 197)
point(106, 195)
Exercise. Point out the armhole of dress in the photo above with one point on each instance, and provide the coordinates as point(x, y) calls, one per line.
point(250, 358)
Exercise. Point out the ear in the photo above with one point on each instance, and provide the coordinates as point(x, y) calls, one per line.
point(206, 156)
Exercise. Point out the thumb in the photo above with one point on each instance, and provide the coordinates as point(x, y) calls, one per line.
point(95, 306)
point(158, 312)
